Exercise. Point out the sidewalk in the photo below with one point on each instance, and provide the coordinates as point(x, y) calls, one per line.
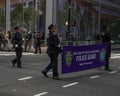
point(114, 46)
point(43, 49)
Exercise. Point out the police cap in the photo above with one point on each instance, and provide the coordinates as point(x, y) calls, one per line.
point(16, 27)
point(105, 26)
point(51, 26)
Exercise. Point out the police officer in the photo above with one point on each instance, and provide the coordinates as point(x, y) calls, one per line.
point(106, 38)
point(38, 42)
point(17, 44)
point(53, 51)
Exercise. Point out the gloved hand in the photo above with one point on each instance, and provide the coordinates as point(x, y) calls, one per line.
point(23, 40)
point(59, 45)
point(16, 46)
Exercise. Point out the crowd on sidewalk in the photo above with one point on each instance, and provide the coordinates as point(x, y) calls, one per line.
point(32, 42)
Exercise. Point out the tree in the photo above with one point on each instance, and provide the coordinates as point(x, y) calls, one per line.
point(2, 19)
point(22, 17)
point(16, 15)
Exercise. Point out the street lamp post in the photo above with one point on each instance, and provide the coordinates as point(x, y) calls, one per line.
point(99, 17)
point(22, 25)
point(7, 15)
point(69, 15)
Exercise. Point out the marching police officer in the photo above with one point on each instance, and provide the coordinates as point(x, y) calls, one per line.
point(106, 38)
point(53, 51)
point(17, 44)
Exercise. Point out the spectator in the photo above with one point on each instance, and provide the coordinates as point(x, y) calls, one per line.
point(70, 39)
point(38, 42)
point(28, 41)
point(1, 41)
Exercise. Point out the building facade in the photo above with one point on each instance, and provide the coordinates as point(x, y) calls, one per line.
point(86, 17)
point(82, 18)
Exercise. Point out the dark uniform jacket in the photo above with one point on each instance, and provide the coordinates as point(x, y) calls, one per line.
point(17, 41)
point(38, 39)
point(53, 43)
point(106, 38)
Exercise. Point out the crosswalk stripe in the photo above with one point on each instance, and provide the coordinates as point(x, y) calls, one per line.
point(113, 57)
point(116, 55)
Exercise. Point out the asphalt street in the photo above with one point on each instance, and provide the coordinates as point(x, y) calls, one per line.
point(29, 81)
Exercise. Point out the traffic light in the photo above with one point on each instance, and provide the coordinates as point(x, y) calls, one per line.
point(73, 24)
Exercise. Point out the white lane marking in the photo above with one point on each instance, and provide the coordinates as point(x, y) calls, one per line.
point(25, 78)
point(113, 72)
point(93, 77)
point(50, 73)
point(68, 85)
point(14, 90)
point(41, 94)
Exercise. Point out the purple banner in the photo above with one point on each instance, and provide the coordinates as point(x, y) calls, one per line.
point(78, 58)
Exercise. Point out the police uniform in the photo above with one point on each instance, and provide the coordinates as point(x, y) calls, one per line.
point(38, 42)
point(17, 44)
point(53, 51)
point(106, 38)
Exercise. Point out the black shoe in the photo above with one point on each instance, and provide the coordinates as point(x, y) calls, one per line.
point(56, 78)
point(44, 74)
point(13, 63)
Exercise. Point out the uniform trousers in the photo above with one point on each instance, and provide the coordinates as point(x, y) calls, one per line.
point(53, 64)
point(108, 54)
point(18, 58)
